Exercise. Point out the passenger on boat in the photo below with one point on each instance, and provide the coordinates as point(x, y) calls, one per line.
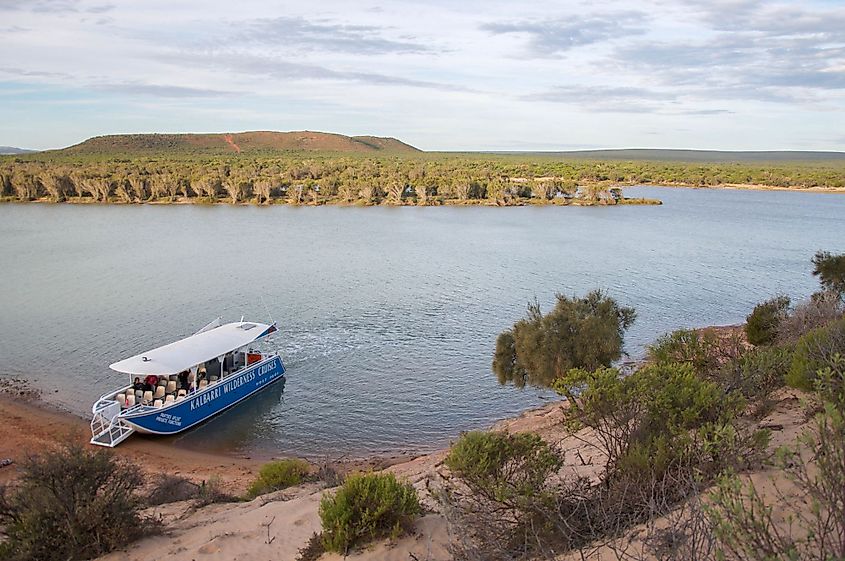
point(192, 380)
point(151, 381)
point(183, 380)
point(138, 385)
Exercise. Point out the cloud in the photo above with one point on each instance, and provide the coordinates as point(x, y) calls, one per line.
point(749, 51)
point(25, 73)
point(605, 98)
point(168, 91)
point(708, 112)
point(553, 37)
point(280, 68)
point(53, 6)
point(323, 35)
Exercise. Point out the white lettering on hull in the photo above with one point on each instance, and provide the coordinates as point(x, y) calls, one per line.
point(232, 385)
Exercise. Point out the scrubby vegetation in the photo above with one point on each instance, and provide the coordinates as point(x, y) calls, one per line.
point(680, 424)
point(71, 504)
point(761, 325)
point(279, 474)
point(831, 271)
point(583, 332)
point(807, 519)
point(367, 507)
point(396, 179)
point(174, 488)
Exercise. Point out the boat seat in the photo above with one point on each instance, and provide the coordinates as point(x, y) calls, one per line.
point(160, 391)
point(171, 386)
point(139, 394)
point(214, 379)
point(162, 381)
point(157, 403)
point(173, 377)
point(130, 400)
point(180, 397)
point(148, 396)
point(182, 393)
point(203, 383)
point(121, 399)
point(169, 398)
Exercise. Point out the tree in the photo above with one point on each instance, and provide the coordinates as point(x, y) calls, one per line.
point(761, 325)
point(71, 504)
point(583, 332)
point(831, 271)
point(263, 186)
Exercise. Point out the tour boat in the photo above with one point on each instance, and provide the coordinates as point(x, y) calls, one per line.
point(217, 367)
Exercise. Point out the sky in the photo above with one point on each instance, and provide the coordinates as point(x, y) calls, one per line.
point(441, 75)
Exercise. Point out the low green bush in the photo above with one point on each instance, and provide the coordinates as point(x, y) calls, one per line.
point(816, 351)
point(504, 466)
point(758, 372)
point(761, 325)
point(278, 475)
point(71, 504)
point(367, 507)
point(660, 416)
point(688, 346)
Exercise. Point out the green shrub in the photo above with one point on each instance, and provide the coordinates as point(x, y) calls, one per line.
point(831, 271)
point(748, 523)
point(71, 504)
point(278, 475)
point(688, 346)
point(661, 415)
point(505, 467)
point(758, 372)
point(583, 332)
point(761, 326)
point(816, 351)
point(367, 507)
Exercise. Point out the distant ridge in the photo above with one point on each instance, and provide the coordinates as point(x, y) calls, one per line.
point(666, 155)
point(235, 143)
point(11, 151)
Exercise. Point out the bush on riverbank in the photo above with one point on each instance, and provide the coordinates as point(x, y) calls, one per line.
point(747, 525)
point(665, 431)
point(367, 507)
point(278, 475)
point(761, 325)
point(585, 332)
point(816, 350)
point(72, 504)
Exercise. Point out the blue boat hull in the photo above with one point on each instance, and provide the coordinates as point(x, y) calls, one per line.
point(204, 404)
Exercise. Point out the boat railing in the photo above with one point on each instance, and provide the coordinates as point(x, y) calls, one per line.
point(107, 428)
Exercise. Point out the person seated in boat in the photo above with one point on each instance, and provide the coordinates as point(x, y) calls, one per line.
point(151, 381)
point(192, 380)
point(183, 380)
point(138, 385)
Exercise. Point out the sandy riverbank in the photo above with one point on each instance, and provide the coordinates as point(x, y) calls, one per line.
point(750, 187)
point(278, 525)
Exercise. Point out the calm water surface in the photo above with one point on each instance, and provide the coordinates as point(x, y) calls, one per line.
point(388, 316)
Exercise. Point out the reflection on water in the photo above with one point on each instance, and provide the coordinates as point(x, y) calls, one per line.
point(387, 316)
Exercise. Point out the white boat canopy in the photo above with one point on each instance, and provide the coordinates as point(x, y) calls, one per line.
point(201, 347)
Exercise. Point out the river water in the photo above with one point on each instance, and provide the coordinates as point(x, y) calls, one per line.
point(387, 316)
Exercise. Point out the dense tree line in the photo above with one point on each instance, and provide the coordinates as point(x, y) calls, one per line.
point(422, 180)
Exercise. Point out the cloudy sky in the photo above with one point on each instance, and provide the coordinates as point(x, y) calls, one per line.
point(442, 75)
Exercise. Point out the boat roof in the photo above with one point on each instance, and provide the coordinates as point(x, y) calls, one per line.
point(207, 344)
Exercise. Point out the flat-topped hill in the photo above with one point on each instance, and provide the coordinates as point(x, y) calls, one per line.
point(235, 143)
